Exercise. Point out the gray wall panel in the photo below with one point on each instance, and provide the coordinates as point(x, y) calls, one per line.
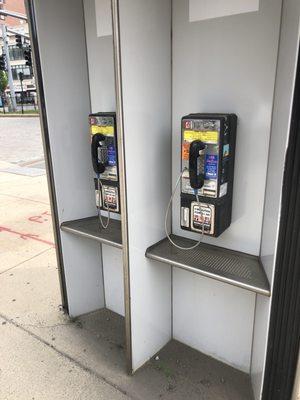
point(65, 76)
point(228, 65)
point(287, 61)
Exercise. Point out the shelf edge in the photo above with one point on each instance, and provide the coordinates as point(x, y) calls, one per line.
point(65, 228)
point(251, 288)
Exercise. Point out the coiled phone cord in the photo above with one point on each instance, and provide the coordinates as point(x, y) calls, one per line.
point(99, 184)
point(167, 214)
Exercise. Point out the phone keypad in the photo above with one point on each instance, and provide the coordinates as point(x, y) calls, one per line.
point(202, 217)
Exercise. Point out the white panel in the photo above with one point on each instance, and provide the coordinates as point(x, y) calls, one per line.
point(101, 63)
point(65, 77)
point(260, 337)
point(203, 320)
point(287, 61)
point(83, 273)
point(207, 9)
point(150, 308)
point(228, 65)
point(103, 17)
point(146, 66)
point(102, 89)
point(280, 131)
point(67, 102)
point(113, 279)
point(101, 69)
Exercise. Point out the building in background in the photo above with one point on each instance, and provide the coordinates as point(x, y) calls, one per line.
point(18, 62)
point(16, 6)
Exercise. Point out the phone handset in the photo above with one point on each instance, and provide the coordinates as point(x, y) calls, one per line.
point(99, 153)
point(196, 164)
point(100, 161)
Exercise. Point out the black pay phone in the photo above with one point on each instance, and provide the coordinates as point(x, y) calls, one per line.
point(207, 163)
point(105, 160)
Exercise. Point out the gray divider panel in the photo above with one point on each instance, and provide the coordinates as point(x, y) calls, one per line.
point(62, 45)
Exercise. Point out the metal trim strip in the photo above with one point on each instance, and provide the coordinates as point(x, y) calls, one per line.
point(122, 169)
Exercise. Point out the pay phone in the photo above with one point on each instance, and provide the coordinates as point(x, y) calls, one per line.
point(207, 163)
point(105, 162)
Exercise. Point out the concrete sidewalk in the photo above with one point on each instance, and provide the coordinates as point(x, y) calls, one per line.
point(30, 368)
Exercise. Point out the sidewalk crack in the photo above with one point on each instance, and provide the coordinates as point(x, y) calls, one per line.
point(22, 262)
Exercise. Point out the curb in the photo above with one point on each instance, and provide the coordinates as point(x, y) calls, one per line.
point(20, 116)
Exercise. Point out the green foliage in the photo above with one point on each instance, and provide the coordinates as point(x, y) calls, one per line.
point(3, 81)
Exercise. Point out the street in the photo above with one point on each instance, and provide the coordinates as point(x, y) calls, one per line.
point(20, 140)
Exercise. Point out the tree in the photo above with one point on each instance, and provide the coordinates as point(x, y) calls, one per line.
point(3, 82)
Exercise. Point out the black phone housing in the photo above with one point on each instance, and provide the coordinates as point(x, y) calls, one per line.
point(216, 205)
point(109, 196)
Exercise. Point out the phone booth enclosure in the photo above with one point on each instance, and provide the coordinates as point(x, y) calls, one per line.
point(229, 81)
point(101, 71)
point(214, 69)
point(93, 273)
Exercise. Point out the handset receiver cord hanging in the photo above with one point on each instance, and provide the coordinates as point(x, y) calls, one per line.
point(167, 214)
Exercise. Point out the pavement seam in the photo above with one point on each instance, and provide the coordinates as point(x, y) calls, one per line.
point(29, 259)
point(68, 357)
point(24, 198)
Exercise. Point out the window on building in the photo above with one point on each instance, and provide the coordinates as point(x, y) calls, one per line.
point(15, 53)
point(15, 69)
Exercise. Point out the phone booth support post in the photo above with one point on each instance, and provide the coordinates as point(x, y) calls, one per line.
point(156, 62)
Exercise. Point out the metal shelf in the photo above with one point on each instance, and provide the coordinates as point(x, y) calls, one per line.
point(90, 228)
point(232, 267)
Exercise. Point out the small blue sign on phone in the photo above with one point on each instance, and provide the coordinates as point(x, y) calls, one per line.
point(111, 155)
point(211, 166)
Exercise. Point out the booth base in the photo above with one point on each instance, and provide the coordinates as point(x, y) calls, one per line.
point(194, 375)
point(176, 372)
point(233, 267)
point(90, 228)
